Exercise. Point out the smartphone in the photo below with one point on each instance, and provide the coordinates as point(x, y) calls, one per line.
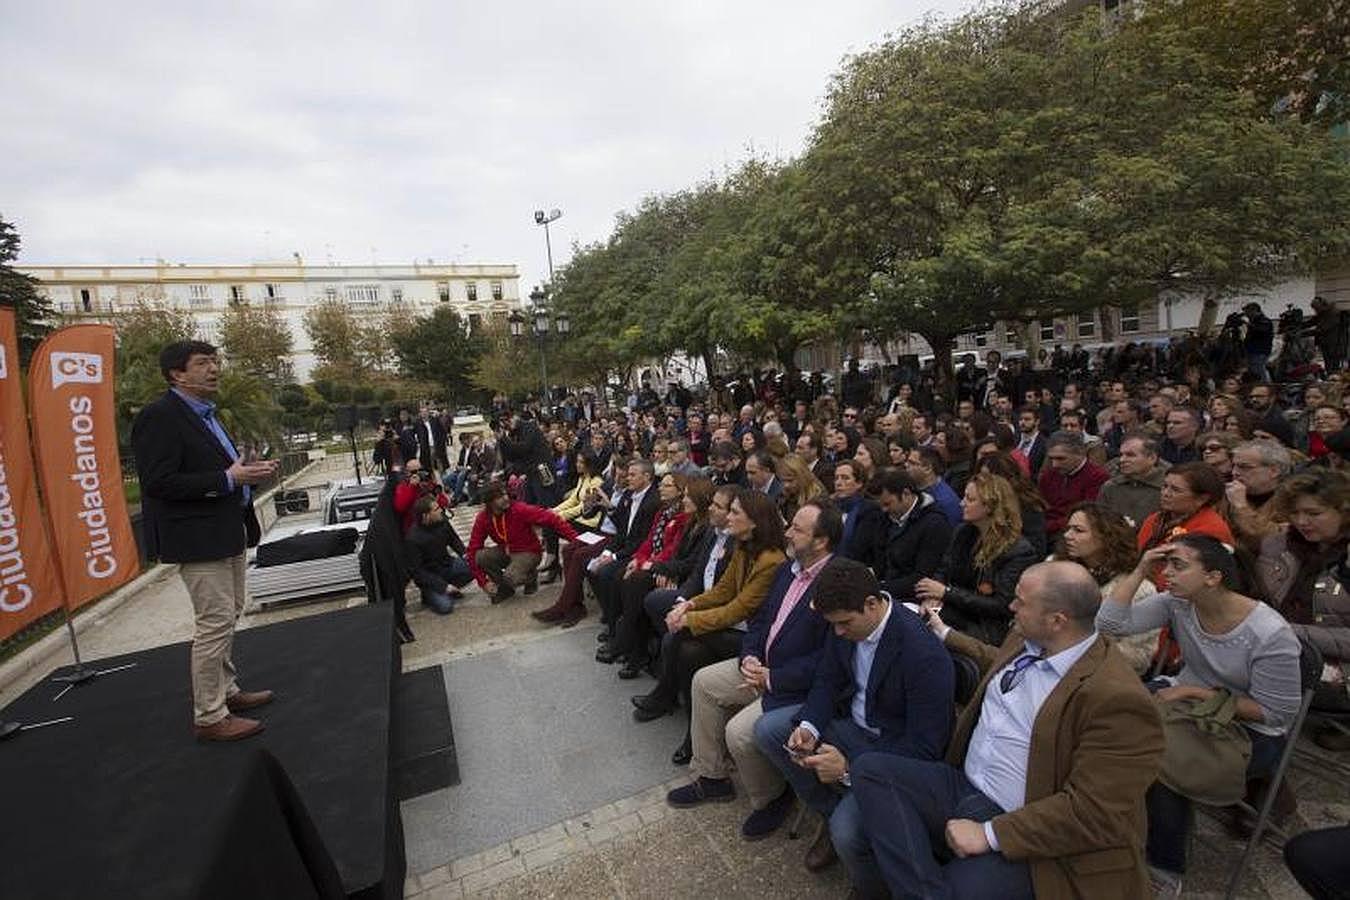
point(797, 754)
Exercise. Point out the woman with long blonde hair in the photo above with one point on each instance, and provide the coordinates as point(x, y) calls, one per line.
point(800, 485)
point(973, 589)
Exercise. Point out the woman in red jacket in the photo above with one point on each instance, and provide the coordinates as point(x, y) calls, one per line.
point(1192, 501)
point(662, 541)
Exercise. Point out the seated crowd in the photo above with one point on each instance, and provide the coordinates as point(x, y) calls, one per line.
point(961, 637)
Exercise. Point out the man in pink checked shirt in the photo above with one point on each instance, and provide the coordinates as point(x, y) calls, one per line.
point(774, 670)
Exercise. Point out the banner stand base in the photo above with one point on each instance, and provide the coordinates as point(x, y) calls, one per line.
point(83, 674)
point(13, 729)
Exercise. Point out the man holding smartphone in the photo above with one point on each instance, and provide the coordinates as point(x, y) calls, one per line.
point(197, 507)
point(776, 667)
point(885, 685)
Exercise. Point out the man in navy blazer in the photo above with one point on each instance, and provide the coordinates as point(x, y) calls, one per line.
point(774, 670)
point(197, 508)
point(904, 707)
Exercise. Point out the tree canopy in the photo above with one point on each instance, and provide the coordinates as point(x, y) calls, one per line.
point(1013, 164)
point(256, 340)
point(33, 313)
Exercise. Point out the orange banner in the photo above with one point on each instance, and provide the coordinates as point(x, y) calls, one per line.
point(28, 585)
point(70, 391)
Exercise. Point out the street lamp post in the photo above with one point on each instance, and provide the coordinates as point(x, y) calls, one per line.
point(544, 218)
point(541, 324)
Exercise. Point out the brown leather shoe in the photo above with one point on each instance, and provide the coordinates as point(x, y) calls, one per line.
point(821, 855)
point(247, 700)
point(230, 728)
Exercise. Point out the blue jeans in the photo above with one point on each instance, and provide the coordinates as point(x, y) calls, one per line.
point(454, 483)
point(905, 805)
point(837, 804)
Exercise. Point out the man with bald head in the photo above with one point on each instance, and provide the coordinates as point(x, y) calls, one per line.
point(1042, 792)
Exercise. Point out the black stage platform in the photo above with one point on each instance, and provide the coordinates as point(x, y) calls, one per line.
point(123, 802)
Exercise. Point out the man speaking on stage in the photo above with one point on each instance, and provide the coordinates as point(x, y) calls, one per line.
point(197, 508)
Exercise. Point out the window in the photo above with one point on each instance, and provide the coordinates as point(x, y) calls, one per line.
point(1010, 335)
point(1129, 320)
point(471, 290)
point(396, 295)
point(443, 291)
point(496, 287)
point(199, 295)
point(475, 323)
point(237, 294)
point(1047, 329)
point(86, 300)
point(330, 293)
point(982, 339)
point(363, 294)
point(273, 291)
point(1087, 324)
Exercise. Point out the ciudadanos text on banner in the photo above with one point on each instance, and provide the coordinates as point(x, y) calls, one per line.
point(70, 390)
point(29, 588)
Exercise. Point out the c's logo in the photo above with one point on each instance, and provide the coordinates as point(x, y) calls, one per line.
point(78, 368)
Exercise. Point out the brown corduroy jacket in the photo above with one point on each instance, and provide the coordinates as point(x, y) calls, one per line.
point(1096, 746)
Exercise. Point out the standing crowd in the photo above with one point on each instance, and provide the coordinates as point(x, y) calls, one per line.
point(971, 637)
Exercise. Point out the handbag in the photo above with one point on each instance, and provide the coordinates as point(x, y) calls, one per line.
point(1207, 749)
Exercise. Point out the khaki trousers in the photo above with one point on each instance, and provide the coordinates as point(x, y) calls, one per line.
point(519, 569)
point(722, 728)
point(217, 591)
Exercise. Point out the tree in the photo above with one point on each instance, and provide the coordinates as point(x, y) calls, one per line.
point(438, 349)
point(32, 310)
point(142, 333)
point(1017, 164)
point(337, 339)
point(505, 364)
point(256, 340)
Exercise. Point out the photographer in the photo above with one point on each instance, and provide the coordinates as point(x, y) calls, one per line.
point(1259, 340)
point(416, 483)
point(524, 450)
point(437, 573)
point(388, 455)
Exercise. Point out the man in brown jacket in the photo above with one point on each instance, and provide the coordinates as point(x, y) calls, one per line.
point(1042, 794)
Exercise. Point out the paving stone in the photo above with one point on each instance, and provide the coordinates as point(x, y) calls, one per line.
point(479, 861)
point(551, 853)
point(434, 878)
point(527, 842)
point(492, 875)
point(451, 890)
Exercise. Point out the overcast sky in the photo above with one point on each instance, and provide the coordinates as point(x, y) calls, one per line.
point(247, 131)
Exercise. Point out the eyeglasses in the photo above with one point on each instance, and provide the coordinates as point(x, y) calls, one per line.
point(1214, 448)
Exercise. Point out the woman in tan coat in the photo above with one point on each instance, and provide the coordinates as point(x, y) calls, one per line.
point(708, 628)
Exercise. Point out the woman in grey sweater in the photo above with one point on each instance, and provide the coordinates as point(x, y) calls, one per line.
point(1227, 641)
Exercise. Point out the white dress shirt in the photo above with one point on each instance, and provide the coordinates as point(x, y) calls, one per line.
point(996, 758)
point(863, 657)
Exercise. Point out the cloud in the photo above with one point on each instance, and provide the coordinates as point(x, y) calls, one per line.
point(248, 131)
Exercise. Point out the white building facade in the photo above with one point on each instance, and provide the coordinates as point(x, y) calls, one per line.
point(478, 293)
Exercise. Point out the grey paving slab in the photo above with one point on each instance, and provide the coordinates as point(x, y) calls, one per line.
point(543, 733)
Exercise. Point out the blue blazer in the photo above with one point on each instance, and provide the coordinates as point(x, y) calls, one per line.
point(909, 690)
point(795, 654)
